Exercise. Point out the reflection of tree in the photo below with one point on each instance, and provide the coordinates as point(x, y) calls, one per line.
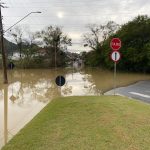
point(13, 98)
point(53, 92)
point(102, 80)
point(39, 85)
point(5, 114)
point(34, 85)
point(1, 95)
point(67, 90)
point(90, 86)
point(79, 80)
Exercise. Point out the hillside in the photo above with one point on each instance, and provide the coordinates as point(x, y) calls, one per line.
point(9, 46)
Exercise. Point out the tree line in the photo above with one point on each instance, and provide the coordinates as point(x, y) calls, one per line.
point(135, 37)
point(45, 48)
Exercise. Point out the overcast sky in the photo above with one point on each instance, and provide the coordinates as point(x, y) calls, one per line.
point(72, 15)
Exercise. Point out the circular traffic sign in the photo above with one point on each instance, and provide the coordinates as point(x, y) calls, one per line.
point(115, 44)
point(60, 80)
point(115, 56)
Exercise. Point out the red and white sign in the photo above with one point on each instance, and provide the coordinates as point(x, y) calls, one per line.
point(115, 44)
point(115, 56)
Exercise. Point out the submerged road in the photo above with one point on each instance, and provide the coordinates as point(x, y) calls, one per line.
point(139, 90)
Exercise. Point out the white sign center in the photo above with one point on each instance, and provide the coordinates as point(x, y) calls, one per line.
point(115, 56)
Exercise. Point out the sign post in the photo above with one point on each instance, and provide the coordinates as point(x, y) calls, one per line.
point(115, 73)
point(115, 45)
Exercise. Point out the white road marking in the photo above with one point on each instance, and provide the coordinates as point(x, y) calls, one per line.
point(139, 94)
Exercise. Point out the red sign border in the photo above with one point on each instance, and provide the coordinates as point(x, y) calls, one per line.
point(119, 47)
point(111, 56)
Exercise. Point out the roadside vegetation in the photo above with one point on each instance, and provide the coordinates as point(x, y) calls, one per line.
point(40, 49)
point(78, 123)
point(43, 49)
point(135, 37)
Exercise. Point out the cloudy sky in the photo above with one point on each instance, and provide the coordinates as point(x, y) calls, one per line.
point(72, 15)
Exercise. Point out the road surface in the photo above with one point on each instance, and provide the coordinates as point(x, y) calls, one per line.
point(139, 90)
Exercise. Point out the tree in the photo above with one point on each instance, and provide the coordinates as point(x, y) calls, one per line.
point(95, 39)
point(98, 34)
point(135, 37)
point(17, 34)
point(55, 41)
point(30, 46)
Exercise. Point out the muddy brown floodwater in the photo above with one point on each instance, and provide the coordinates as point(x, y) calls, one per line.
point(29, 91)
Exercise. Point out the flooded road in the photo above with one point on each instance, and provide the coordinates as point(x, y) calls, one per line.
point(29, 91)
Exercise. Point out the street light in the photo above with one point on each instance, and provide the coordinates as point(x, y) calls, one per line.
point(34, 12)
point(3, 50)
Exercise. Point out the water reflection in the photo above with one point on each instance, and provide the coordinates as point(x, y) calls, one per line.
point(29, 91)
point(79, 84)
point(5, 114)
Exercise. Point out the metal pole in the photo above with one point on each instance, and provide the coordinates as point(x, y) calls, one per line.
point(115, 70)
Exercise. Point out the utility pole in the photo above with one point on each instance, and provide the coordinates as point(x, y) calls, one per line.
point(2, 48)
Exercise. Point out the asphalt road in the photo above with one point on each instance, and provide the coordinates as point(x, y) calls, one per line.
point(139, 90)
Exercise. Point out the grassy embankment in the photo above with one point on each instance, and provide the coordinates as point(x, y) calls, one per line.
point(87, 123)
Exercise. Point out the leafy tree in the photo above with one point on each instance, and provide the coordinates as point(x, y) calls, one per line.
point(30, 46)
point(17, 34)
point(95, 39)
point(55, 42)
point(98, 34)
point(135, 36)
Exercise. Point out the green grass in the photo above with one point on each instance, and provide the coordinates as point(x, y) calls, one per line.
point(87, 123)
